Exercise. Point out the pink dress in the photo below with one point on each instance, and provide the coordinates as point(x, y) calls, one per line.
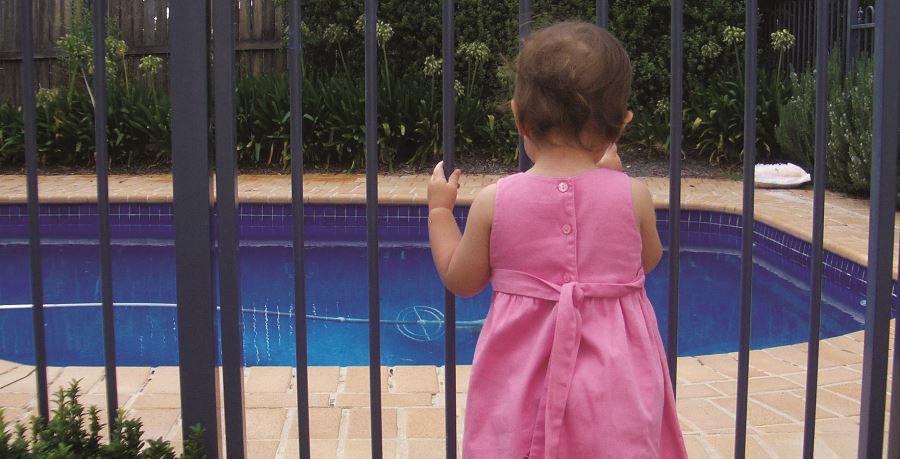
point(569, 363)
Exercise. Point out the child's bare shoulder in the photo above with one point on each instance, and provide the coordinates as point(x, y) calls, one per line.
point(640, 193)
point(486, 197)
point(482, 208)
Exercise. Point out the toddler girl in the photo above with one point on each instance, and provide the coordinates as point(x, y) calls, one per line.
point(569, 363)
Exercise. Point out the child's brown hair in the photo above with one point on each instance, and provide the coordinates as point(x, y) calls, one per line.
point(572, 77)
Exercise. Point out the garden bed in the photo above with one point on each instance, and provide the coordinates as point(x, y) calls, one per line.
point(639, 161)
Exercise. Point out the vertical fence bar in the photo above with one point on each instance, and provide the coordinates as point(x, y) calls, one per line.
point(193, 201)
point(802, 32)
point(448, 147)
point(603, 13)
point(675, 134)
point(524, 30)
point(881, 230)
point(851, 22)
point(296, 75)
point(102, 158)
point(740, 434)
point(371, 78)
point(865, 41)
point(810, 34)
point(831, 19)
point(805, 37)
point(794, 28)
point(841, 22)
point(228, 243)
point(868, 33)
point(818, 225)
point(834, 36)
point(34, 228)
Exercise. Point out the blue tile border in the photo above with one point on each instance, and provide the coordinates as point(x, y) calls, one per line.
point(396, 222)
point(727, 227)
point(265, 221)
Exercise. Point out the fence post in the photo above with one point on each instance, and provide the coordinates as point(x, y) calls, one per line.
point(102, 158)
point(448, 147)
point(818, 224)
point(371, 109)
point(34, 228)
point(300, 337)
point(192, 205)
point(676, 96)
point(881, 231)
point(524, 30)
point(227, 207)
point(750, 45)
point(603, 13)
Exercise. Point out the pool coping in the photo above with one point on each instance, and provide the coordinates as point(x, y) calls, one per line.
point(790, 211)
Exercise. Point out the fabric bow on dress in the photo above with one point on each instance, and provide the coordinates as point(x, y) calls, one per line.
point(566, 338)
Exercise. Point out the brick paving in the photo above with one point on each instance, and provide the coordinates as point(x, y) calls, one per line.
point(413, 397)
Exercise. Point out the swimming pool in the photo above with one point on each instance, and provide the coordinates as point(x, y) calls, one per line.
point(411, 294)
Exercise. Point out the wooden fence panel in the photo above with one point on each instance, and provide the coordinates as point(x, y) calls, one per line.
point(243, 21)
point(144, 26)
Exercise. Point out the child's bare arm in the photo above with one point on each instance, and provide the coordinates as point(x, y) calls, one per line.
point(645, 214)
point(462, 260)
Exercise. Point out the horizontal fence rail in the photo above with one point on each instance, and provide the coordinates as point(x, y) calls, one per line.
point(860, 25)
point(191, 24)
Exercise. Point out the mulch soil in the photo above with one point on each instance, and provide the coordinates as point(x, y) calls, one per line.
point(639, 161)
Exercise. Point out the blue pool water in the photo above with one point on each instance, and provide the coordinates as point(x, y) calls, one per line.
point(411, 302)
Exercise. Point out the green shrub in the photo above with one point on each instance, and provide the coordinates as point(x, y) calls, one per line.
point(74, 433)
point(795, 132)
point(633, 22)
point(850, 128)
point(717, 107)
point(333, 43)
point(717, 127)
point(12, 137)
point(848, 146)
point(409, 102)
point(409, 127)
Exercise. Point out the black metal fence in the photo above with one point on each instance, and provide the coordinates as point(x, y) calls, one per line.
point(851, 28)
point(194, 201)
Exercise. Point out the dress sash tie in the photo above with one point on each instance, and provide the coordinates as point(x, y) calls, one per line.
point(566, 336)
